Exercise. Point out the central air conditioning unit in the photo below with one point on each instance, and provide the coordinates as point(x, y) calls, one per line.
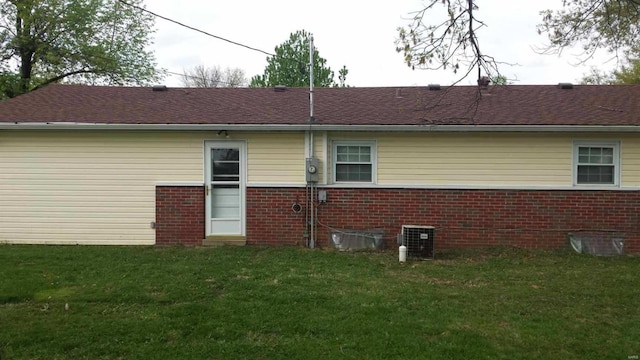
point(418, 240)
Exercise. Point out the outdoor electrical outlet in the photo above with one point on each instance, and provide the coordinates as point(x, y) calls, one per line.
point(322, 196)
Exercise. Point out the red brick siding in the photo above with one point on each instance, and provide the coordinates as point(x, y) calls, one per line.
point(463, 218)
point(180, 215)
point(271, 219)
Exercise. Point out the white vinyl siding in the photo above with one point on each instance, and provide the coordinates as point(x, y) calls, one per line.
point(89, 187)
point(630, 160)
point(274, 158)
point(475, 159)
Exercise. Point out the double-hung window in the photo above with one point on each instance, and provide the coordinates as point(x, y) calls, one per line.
point(354, 161)
point(596, 163)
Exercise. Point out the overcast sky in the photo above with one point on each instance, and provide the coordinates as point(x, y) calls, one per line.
point(357, 33)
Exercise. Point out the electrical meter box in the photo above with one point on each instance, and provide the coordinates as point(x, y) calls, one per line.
point(312, 170)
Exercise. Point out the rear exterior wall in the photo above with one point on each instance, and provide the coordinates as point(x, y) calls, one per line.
point(113, 187)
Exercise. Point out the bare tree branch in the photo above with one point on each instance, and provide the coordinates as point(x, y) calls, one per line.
point(200, 76)
point(63, 76)
point(451, 44)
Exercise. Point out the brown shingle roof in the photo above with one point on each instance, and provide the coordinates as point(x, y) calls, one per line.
point(500, 105)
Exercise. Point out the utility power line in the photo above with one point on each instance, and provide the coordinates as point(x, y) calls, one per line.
point(194, 29)
point(200, 31)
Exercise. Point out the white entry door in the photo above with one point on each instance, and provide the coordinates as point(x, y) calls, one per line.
point(225, 189)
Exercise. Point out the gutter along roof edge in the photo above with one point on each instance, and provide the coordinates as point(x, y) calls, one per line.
point(318, 127)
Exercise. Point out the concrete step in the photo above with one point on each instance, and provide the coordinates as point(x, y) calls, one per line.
point(224, 240)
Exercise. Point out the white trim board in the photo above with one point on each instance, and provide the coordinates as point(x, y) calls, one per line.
point(448, 187)
point(178, 183)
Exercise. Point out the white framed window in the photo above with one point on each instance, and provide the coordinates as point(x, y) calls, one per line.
point(596, 163)
point(354, 161)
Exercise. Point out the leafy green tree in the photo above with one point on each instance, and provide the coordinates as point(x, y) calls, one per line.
point(613, 25)
point(500, 80)
point(597, 77)
point(290, 66)
point(626, 74)
point(342, 76)
point(80, 41)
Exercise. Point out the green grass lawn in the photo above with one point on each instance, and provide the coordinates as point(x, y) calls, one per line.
point(293, 303)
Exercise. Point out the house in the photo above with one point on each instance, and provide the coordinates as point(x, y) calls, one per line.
point(506, 165)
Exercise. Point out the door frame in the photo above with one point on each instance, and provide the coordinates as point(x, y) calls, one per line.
point(211, 144)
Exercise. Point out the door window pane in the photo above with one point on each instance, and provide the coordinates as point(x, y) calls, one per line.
point(228, 154)
point(226, 164)
point(225, 171)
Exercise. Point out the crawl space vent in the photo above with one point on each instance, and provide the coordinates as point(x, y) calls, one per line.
point(597, 243)
point(349, 239)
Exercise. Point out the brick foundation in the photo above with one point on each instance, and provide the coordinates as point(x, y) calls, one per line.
point(180, 215)
point(463, 218)
point(271, 219)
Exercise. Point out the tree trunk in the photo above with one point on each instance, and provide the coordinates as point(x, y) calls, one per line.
point(25, 50)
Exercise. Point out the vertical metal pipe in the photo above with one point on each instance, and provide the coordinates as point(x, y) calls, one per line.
point(306, 216)
point(312, 237)
point(312, 241)
point(311, 78)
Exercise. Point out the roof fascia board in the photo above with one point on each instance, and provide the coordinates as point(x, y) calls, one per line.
point(318, 127)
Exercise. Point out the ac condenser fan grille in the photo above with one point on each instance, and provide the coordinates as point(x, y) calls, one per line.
point(419, 241)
